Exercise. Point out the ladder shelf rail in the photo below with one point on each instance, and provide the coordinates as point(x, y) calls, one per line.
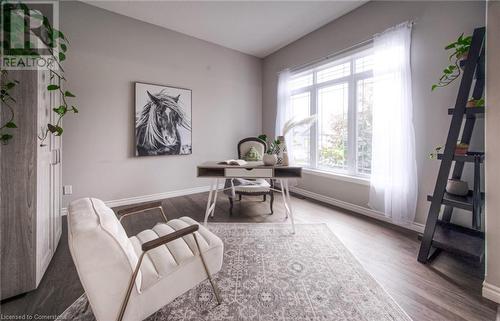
point(472, 66)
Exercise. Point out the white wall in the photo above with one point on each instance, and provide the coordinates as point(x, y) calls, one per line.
point(437, 24)
point(491, 287)
point(107, 54)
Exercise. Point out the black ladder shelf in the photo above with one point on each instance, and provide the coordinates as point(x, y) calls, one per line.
point(441, 234)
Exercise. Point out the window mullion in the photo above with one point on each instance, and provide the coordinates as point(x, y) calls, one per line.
point(313, 132)
point(351, 123)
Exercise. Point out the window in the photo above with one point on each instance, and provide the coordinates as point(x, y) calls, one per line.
point(341, 94)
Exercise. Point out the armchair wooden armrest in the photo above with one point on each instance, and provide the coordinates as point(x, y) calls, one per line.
point(141, 209)
point(169, 237)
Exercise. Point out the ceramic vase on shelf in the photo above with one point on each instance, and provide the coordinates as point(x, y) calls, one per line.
point(269, 159)
point(280, 149)
point(457, 187)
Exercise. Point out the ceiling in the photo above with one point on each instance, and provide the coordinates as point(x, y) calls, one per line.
point(258, 28)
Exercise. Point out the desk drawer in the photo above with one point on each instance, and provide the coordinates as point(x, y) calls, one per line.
point(249, 172)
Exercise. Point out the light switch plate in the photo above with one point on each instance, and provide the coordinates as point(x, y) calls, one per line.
point(67, 189)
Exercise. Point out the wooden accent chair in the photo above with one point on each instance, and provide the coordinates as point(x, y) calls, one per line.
point(250, 187)
point(131, 278)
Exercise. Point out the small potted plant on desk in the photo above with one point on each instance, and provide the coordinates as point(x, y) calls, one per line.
point(270, 158)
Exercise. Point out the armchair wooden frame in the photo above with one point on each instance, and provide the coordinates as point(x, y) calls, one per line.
point(158, 242)
point(141, 209)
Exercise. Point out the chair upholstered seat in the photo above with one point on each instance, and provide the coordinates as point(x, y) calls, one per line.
point(251, 186)
point(105, 259)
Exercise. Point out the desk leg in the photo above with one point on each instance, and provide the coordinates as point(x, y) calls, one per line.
point(285, 193)
point(210, 205)
point(285, 201)
point(215, 196)
point(290, 209)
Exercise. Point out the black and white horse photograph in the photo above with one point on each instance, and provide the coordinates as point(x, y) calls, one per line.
point(162, 120)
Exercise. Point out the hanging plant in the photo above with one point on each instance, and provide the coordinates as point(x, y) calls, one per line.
point(57, 46)
point(460, 49)
point(6, 100)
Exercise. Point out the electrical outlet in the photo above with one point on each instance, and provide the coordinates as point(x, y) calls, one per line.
point(67, 190)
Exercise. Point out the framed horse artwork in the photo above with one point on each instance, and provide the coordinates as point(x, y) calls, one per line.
point(162, 120)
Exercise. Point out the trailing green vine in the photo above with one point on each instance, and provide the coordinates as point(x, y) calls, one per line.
point(6, 100)
point(460, 49)
point(57, 45)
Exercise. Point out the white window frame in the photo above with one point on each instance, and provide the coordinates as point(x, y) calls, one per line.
point(352, 131)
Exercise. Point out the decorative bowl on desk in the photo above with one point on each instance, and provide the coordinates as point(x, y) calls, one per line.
point(270, 159)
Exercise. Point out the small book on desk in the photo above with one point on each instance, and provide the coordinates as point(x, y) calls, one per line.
point(239, 162)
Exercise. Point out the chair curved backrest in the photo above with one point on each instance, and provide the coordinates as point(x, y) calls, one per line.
point(245, 144)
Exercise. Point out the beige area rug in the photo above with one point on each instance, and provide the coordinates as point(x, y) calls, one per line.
point(271, 275)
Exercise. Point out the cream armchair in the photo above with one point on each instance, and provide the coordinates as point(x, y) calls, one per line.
point(131, 278)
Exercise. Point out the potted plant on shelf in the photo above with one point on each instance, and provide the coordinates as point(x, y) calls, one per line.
point(460, 49)
point(461, 149)
point(475, 103)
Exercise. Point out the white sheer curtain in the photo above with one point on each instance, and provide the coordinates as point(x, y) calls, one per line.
point(394, 185)
point(284, 109)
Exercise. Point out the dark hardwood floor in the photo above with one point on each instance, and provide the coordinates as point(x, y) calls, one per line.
point(448, 289)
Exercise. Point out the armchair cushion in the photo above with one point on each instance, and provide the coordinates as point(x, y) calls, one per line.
point(165, 259)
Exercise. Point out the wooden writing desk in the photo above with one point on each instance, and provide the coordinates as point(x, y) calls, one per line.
point(251, 170)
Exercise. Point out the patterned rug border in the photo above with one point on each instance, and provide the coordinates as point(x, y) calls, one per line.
point(288, 225)
point(284, 226)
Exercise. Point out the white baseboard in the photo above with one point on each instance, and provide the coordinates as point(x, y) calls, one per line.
point(322, 198)
point(151, 197)
point(491, 292)
point(417, 227)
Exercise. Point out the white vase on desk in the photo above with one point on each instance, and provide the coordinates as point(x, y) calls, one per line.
point(281, 149)
point(286, 160)
point(269, 159)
